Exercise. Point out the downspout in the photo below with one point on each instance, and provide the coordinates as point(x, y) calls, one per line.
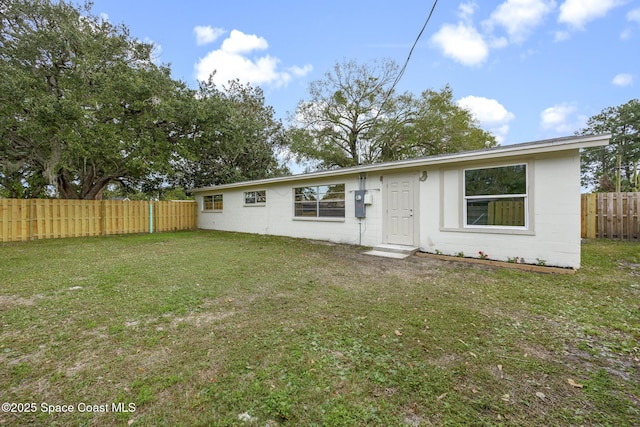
point(150, 217)
point(361, 186)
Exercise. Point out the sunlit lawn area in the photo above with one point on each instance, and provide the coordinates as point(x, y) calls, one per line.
point(211, 328)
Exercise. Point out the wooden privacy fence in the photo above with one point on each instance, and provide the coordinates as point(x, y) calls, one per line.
point(497, 212)
point(611, 215)
point(503, 212)
point(29, 219)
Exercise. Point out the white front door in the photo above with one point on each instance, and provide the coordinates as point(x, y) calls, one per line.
point(400, 219)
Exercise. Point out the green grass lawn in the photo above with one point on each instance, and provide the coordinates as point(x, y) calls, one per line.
point(210, 328)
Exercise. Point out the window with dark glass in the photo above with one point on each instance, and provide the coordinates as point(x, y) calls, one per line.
point(319, 201)
point(496, 196)
point(255, 197)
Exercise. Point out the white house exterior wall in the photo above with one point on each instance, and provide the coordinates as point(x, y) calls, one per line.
point(553, 234)
point(277, 217)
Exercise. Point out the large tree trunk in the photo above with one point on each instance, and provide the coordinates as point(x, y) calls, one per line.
point(64, 186)
point(95, 191)
point(88, 190)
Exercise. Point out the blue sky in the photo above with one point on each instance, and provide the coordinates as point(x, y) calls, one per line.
point(528, 69)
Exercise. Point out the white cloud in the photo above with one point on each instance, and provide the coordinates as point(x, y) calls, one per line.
point(301, 71)
point(239, 42)
point(633, 16)
point(561, 36)
point(622, 79)
point(206, 35)
point(462, 43)
point(233, 60)
point(498, 42)
point(524, 55)
point(520, 17)
point(577, 13)
point(490, 113)
point(229, 66)
point(561, 118)
point(466, 10)
point(626, 34)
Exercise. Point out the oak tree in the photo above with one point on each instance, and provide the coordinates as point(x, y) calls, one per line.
point(337, 125)
point(82, 103)
point(234, 137)
point(355, 117)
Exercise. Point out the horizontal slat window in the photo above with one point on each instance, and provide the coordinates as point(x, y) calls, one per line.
point(319, 201)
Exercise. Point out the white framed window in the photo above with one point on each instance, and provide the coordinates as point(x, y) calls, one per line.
point(207, 203)
point(319, 201)
point(213, 203)
point(255, 198)
point(496, 197)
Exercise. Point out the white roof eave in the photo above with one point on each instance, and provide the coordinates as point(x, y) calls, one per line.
point(530, 148)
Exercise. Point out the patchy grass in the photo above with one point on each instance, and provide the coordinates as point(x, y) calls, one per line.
point(209, 328)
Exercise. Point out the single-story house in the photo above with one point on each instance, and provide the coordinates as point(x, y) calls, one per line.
point(519, 201)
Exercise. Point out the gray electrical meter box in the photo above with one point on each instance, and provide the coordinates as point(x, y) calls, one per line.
point(361, 211)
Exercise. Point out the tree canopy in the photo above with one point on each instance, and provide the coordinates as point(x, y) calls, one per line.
point(337, 124)
point(601, 167)
point(354, 116)
point(84, 105)
point(439, 126)
point(242, 144)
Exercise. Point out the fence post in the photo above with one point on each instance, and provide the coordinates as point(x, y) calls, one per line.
point(591, 217)
point(30, 218)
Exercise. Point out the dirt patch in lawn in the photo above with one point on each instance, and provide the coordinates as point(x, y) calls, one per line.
point(11, 301)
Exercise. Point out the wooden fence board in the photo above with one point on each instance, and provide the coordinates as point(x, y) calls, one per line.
point(636, 209)
point(505, 212)
point(589, 217)
point(618, 218)
point(610, 215)
point(30, 219)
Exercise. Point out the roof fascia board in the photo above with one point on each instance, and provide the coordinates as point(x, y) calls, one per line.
point(547, 146)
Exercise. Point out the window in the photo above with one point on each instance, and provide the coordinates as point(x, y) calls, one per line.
point(208, 203)
point(321, 201)
point(213, 203)
point(217, 202)
point(496, 197)
point(255, 197)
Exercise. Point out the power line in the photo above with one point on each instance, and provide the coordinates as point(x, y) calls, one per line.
point(404, 67)
point(401, 73)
